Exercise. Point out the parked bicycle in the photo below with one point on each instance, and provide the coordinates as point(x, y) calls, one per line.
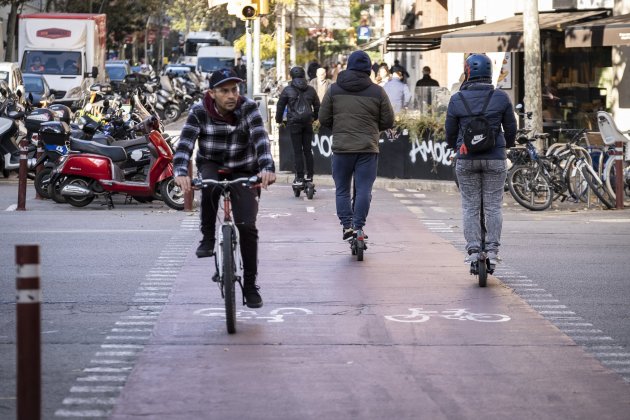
point(611, 136)
point(566, 173)
point(227, 260)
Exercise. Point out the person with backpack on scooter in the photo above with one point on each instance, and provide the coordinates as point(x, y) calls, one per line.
point(480, 126)
point(302, 105)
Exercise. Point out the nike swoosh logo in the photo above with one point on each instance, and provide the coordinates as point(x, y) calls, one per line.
point(477, 139)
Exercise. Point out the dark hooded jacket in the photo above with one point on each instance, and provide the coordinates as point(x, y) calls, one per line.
point(357, 110)
point(289, 96)
point(499, 113)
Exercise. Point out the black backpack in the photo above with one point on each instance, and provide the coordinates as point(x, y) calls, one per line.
point(300, 109)
point(479, 136)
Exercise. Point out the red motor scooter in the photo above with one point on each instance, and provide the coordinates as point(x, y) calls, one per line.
point(83, 176)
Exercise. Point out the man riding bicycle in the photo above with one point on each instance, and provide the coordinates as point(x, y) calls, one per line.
point(231, 139)
point(361, 111)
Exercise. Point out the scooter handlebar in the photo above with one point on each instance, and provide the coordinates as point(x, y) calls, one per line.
point(252, 181)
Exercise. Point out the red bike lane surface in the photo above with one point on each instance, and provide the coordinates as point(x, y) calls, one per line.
point(400, 335)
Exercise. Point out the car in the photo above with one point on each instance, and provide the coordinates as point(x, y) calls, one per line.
point(36, 85)
point(117, 70)
point(12, 75)
point(177, 69)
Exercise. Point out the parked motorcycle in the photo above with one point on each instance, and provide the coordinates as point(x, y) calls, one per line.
point(82, 177)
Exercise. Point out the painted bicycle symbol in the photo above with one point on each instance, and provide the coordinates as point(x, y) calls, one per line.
point(276, 315)
point(460, 314)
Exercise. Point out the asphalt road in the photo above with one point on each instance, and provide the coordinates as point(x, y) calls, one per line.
point(126, 304)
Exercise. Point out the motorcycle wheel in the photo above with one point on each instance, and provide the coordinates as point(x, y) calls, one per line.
point(42, 180)
point(78, 201)
point(171, 194)
point(54, 191)
point(171, 113)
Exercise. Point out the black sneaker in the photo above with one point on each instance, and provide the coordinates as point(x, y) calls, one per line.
point(252, 296)
point(348, 233)
point(205, 248)
point(297, 182)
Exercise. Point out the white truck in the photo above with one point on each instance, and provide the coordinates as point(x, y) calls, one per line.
point(196, 40)
point(67, 48)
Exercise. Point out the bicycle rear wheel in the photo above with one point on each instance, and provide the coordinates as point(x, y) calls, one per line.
point(610, 176)
point(229, 274)
point(597, 185)
point(529, 188)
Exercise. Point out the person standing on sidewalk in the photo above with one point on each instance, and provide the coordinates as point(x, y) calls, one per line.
point(231, 136)
point(302, 104)
point(356, 110)
point(482, 172)
point(397, 91)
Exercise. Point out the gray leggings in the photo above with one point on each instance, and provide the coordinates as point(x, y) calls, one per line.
point(476, 176)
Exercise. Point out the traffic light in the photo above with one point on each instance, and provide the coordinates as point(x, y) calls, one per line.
point(248, 11)
point(252, 9)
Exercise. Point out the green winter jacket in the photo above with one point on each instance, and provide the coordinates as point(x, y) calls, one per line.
point(356, 110)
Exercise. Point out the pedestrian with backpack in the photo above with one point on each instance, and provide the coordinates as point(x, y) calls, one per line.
point(480, 126)
point(302, 105)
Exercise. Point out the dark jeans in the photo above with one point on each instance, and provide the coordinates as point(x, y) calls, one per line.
point(244, 210)
point(363, 167)
point(301, 138)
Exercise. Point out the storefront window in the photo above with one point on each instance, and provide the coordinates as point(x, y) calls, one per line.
point(573, 84)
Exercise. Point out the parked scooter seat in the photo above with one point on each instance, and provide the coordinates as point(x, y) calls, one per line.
point(138, 141)
point(115, 153)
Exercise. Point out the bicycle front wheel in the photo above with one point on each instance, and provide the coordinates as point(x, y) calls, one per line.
point(229, 277)
point(529, 187)
point(597, 185)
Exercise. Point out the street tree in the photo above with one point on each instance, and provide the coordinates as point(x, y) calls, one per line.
point(533, 90)
point(16, 7)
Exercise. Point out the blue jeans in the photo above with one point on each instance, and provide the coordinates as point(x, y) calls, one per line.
point(487, 177)
point(363, 167)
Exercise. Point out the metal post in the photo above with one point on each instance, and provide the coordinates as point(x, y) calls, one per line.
point(39, 168)
point(28, 333)
point(21, 204)
point(619, 175)
point(256, 57)
point(189, 196)
point(250, 63)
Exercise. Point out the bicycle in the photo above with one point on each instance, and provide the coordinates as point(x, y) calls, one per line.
point(611, 136)
point(536, 183)
point(225, 255)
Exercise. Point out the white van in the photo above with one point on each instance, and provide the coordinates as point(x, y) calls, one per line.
point(210, 59)
point(11, 73)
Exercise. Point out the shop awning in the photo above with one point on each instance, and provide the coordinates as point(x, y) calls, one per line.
point(423, 39)
point(614, 30)
point(507, 35)
point(372, 44)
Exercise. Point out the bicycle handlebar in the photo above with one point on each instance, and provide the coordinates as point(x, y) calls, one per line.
point(251, 181)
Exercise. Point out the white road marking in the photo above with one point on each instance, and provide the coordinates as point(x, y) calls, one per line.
point(12, 207)
point(310, 209)
point(102, 378)
point(82, 413)
point(90, 400)
point(96, 388)
point(108, 369)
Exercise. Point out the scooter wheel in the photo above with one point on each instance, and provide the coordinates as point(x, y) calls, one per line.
point(296, 192)
point(78, 201)
point(41, 182)
point(310, 191)
point(171, 194)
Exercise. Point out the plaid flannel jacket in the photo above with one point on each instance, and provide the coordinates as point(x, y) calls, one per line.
point(242, 147)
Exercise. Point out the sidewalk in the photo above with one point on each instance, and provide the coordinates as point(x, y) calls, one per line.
point(334, 339)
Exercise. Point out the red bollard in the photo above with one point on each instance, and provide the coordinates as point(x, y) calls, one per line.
point(40, 152)
point(21, 204)
point(28, 333)
point(189, 196)
point(619, 175)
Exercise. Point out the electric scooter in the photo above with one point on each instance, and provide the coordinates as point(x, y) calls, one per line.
point(82, 177)
point(307, 186)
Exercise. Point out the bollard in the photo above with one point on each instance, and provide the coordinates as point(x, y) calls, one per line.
point(28, 333)
point(38, 169)
point(619, 175)
point(21, 204)
point(189, 196)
